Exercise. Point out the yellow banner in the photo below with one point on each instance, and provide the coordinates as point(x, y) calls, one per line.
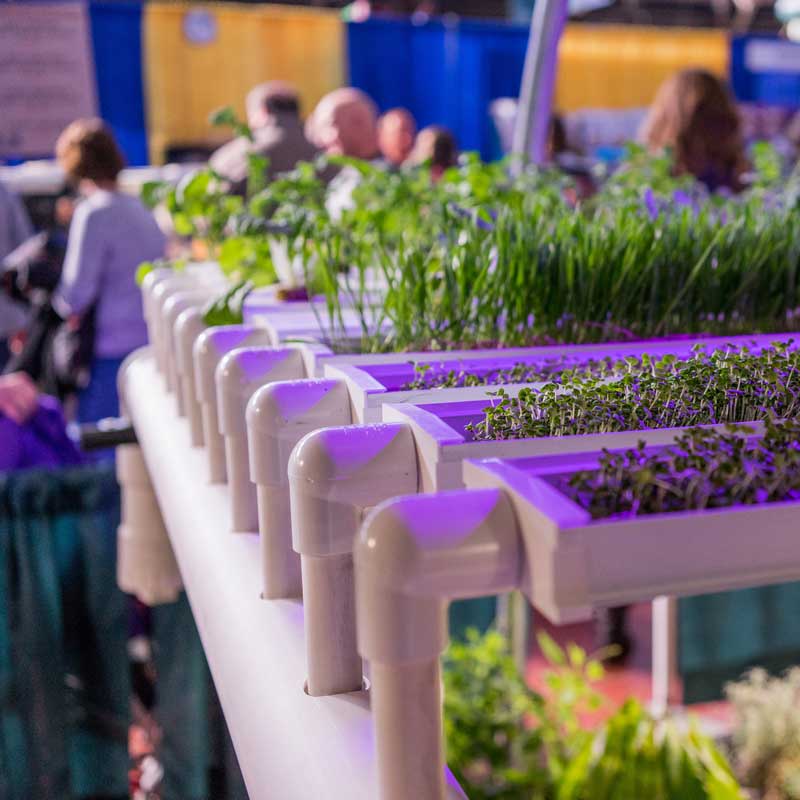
point(622, 66)
point(198, 58)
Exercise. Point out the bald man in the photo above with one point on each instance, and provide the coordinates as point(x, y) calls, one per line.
point(273, 114)
point(345, 123)
point(396, 134)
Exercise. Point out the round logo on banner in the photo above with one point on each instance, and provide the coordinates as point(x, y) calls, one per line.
point(199, 26)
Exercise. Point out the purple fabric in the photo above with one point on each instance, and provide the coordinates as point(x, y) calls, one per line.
point(41, 442)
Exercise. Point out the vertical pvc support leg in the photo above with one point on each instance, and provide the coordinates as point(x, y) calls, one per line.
point(334, 474)
point(408, 697)
point(172, 309)
point(278, 416)
point(244, 502)
point(188, 327)
point(239, 375)
point(146, 565)
point(280, 563)
point(215, 444)
point(210, 348)
point(411, 554)
point(665, 689)
point(334, 665)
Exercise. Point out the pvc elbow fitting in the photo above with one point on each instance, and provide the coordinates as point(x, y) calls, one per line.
point(335, 473)
point(278, 416)
point(188, 327)
point(171, 310)
point(413, 552)
point(238, 375)
point(209, 349)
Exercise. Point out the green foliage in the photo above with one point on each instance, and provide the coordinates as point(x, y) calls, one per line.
point(556, 370)
point(508, 742)
point(767, 732)
point(704, 469)
point(480, 259)
point(725, 385)
point(146, 267)
point(227, 310)
point(247, 258)
point(227, 117)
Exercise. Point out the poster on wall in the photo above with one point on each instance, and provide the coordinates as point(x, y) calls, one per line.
point(46, 74)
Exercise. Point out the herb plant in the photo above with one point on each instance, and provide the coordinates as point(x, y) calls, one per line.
point(508, 742)
point(557, 370)
point(725, 385)
point(766, 736)
point(705, 468)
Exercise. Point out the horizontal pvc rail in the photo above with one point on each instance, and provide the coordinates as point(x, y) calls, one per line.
point(287, 743)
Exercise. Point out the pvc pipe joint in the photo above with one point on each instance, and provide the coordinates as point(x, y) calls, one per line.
point(189, 325)
point(146, 565)
point(411, 555)
point(238, 375)
point(334, 475)
point(278, 416)
point(209, 349)
point(171, 310)
point(162, 291)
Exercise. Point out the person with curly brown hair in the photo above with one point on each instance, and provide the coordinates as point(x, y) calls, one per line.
point(695, 117)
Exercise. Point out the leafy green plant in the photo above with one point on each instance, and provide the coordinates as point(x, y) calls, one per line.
point(557, 370)
point(508, 742)
point(705, 468)
point(479, 259)
point(725, 385)
point(228, 308)
point(766, 736)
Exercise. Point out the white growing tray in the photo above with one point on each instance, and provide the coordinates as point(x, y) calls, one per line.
point(576, 562)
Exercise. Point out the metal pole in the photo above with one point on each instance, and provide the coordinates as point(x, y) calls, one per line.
point(538, 82)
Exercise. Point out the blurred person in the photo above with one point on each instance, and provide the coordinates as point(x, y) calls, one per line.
point(437, 147)
point(18, 397)
point(110, 235)
point(15, 228)
point(32, 428)
point(344, 123)
point(397, 130)
point(273, 115)
point(695, 117)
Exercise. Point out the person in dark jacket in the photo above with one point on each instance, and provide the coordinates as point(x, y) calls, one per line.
point(273, 115)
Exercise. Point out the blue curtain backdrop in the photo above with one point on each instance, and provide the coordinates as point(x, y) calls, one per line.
point(766, 69)
point(117, 45)
point(445, 72)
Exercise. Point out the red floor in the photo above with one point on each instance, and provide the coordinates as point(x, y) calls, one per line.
point(633, 679)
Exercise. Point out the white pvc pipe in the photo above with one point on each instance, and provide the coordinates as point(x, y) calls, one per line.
point(287, 743)
point(278, 416)
point(334, 474)
point(209, 349)
point(188, 327)
point(238, 376)
point(146, 565)
point(411, 555)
